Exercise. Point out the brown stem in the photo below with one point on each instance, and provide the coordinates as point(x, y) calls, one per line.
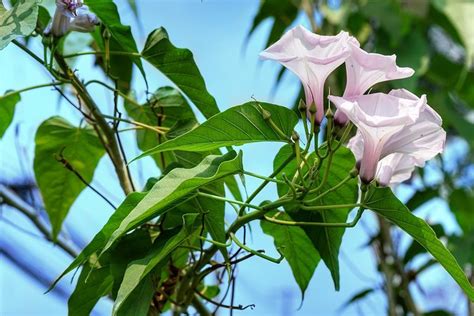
point(106, 132)
point(392, 267)
point(9, 197)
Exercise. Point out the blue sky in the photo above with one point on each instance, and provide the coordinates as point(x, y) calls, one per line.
point(215, 30)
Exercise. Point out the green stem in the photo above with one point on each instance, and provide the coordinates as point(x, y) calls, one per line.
point(328, 207)
point(159, 130)
point(102, 53)
point(200, 307)
point(219, 244)
point(265, 182)
point(294, 223)
point(334, 188)
point(266, 178)
point(326, 172)
point(123, 95)
point(221, 198)
point(28, 51)
point(56, 83)
point(299, 171)
point(256, 253)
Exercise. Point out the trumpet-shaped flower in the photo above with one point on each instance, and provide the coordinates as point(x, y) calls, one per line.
point(388, 124)
point(71, 15)
point(392, 169)
point(312, 58)
point(363, 70)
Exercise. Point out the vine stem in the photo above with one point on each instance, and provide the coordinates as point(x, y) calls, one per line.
point(265, 182)
point(269, 179)
point(220, 198)
point(159, 130)
point(334, 188)
point(102, 53)
point(51, 84)
point(29, 52)
point(106, 134)
point(9, 197)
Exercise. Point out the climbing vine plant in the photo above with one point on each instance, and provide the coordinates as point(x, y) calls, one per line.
point(160, 247)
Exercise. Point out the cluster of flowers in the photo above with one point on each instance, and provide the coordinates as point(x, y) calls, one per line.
point(71, 15)
point(395, 132)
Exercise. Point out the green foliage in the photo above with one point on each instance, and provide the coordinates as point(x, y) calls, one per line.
point(460, 13)
point(461, 202)
point(7, 110)
point(326, 240)
point(176, 187)
point(179, 66)
point(117, 67)
point(221, 130)
point(107, 12)
point(65, 157)
point(166, 108)
point(17, 22)
point(297, 248)
point(281, 12)
point(137, 270)
point(91, 286)
point(386, 204)
point(156, 240)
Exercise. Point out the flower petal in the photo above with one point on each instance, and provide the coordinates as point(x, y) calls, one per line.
point(312, 58)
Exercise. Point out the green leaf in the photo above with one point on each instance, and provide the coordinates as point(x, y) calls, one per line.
point(460, 12)
point(463, 248)
point(296, 246)
point(421, 197)
point(326, 240)
point(461, 202)
point(177, 186)
point(120, 67)
point(415, 248)
point(386, 204)
point(282, 12)
point(179, 66)
point(107, 12)
point(214, 219)
point(166, 108)
point(131, 247)
point(164, 246)
point(91, 286)
point(18, 21)
point(101, 238)
point(236, 126)
point(59, 146)
point(7, 110)
point(358, 296)
point(138, 301)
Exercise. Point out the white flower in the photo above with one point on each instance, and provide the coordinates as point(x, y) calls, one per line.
point(363, 70)
point(71, 15)
point(396, 132)
point(312, 58)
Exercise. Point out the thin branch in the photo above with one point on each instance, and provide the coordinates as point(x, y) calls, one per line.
point(11, 198)
point(69, 167)
point(238, 307)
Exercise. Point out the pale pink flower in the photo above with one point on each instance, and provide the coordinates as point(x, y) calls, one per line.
point(392, 169)
point(363, 70)
point(394, 123)
point(312, 58)
point(71, 15)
